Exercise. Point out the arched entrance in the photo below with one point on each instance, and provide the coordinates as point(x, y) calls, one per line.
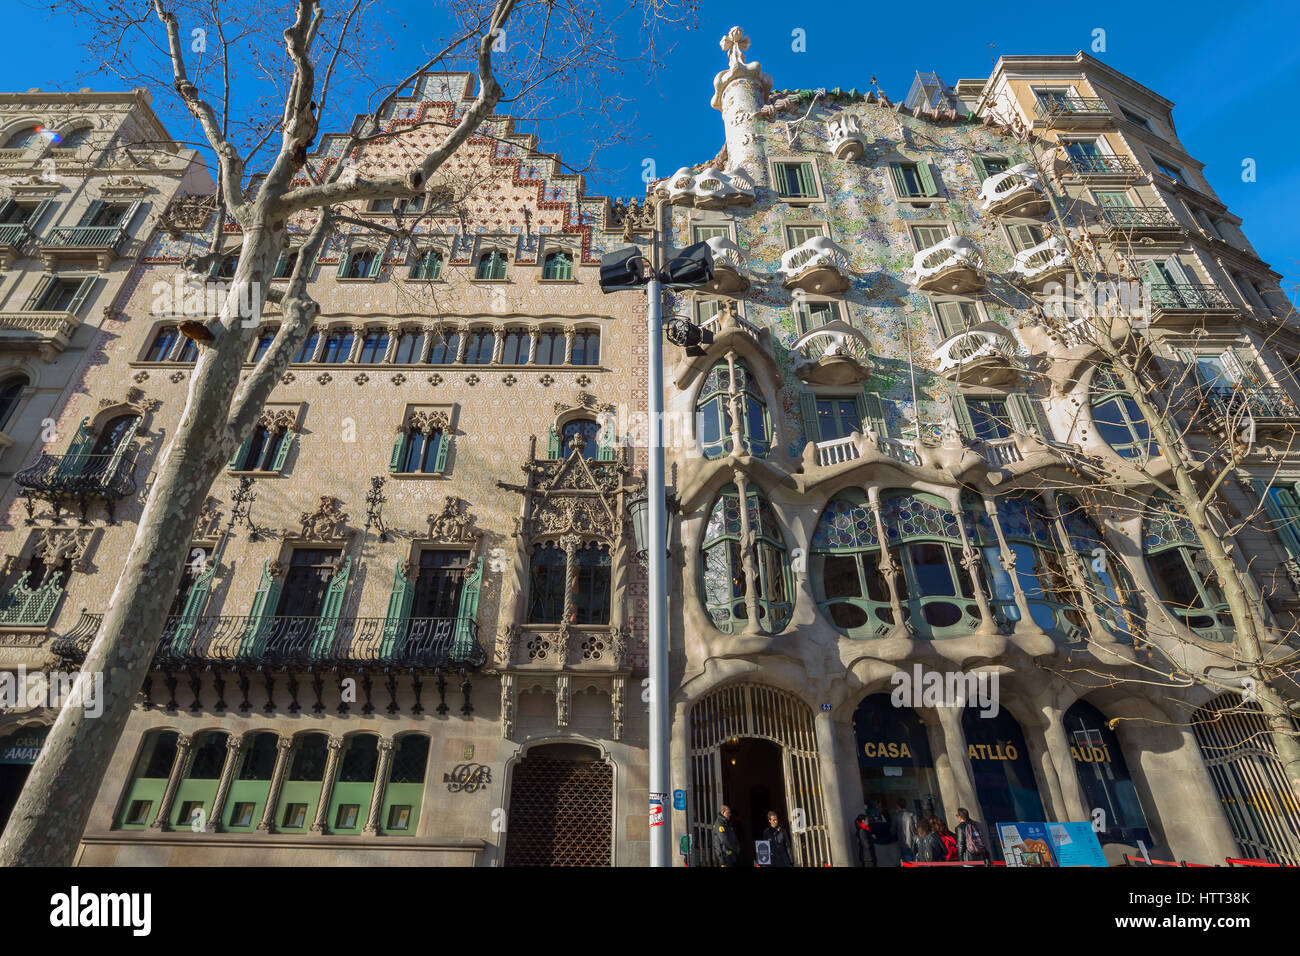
point(1238, 749)
point(1004, 774)
point(1104, 777)
point(561, 808)
point(894, 759)
point(751, 743)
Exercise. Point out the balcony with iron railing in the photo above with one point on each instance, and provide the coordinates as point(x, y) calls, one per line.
point(1103, 169)
point(26, 606)
point(818, 265)
point(836, 353)
point(78, 242)
point(1072, 112)
point(1266, 405)
point(300, 643)
point(14, 237)
point(951, 266)
point(1040, 265)
point(1172, 303)
point(1015, 192)
point(83, 478)
point(1139, 221)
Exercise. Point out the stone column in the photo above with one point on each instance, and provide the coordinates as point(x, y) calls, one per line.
point(957, 756)
point(682, 769)
point(739, 92)
point(971, 561)
point(234, 745)
point(321, 823)
point(381, 784)
point(888, 568)
point(1049, 784)
point(498, 342)
point(462, 344)
point(750, 568)
point(358, 338)
point(832, 798)
point(533, 333)
point(426, 349)
point(570, 331)
point(282, 748)
point(322, 335)
point(394, 334)
point(1058, 749)
point(183, 744)
point(1007, 557)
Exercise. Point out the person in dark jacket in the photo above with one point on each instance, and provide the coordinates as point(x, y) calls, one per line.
point(778, 841)
point(928, 847)
point(726, 845)
point(866, 841)
point(971, 844)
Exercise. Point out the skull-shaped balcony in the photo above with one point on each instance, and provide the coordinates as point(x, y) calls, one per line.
point(817, 265)
point(707, 189)
point(1015, 192)
point(950, 266)
point(1040, 265)
point(844, 136)
point(728, 267)
point(985, 354)
point(832, 354)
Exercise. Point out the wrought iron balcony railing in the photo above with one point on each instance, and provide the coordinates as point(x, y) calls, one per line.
point(103, 476)
point(1191, 296)
point(25, 606)
point(1263, 403)
point(14, 234)
point(1071, 106)
point(1138, 217)
point(1105, 166)
point(85, 237)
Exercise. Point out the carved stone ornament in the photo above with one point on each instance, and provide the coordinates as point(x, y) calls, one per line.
point(429, 422)
point(507, 642)
point(55, 545)
point(584, 401)
point(277, 421)
point(209, 520)
point(326, 523)
point(453, 524)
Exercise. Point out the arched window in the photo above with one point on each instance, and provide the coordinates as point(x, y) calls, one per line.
point(729, 390)
point(1111, 591)
point(426, 264)
point(491, 265)
point(162, 344)
point(264, 339)
point(1184, 578)
point(546, 574)
point(189, 350)
point(11, 393)
point(479, 348)
point(300, 793)
point(405, 790)
point(338, 346)
point(590, 432)
point(586, 347)
point(308, 350)
point(23, 139)
point(374, 346)
point(1039, 570)
point(153, 766)
point(445, 348)
point(198, 788)
point(558, 265)
point(846, 577)
point(935, 589)
point(1119, 421)
point(726, 583)
point(260, 451)
point(355, 786)
point(252, 784)
point(113, 436)
point(550, 348)
point(75, 138)
point(361, 264)
point(410, 346)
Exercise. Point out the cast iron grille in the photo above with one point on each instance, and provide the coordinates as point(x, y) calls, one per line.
point(561, 813)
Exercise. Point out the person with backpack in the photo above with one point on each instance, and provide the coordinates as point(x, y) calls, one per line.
point(926, 846)
point(949, 841)
point(970, 841)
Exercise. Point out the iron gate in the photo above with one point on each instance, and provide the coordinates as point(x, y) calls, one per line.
point(561, 811)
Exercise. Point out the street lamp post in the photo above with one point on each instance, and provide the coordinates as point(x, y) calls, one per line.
point(626, 269)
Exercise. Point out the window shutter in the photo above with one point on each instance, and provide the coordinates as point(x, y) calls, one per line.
point(279, 265)
point(78, 450)
point(608, 441)
point(927, 179)
point(6, 206)
point(467, 615)
point(195, 602)
point(949, 317)
point(399, 449)
point(395, 621)
point(807, 180)
point(120, 452)
point(811, 425)
point(962, 415)
point(35, 297)
point(1284, 515)
point(237, 458)
point(131, 210)
point(873, 411)
point(328, 621)
point(900, 184)
point(34, 217)
point(1020, 407)
point(91, 212)
point(440, 456)
point(282, 451)
point(344, 260)
point(377, 263)
point(980, 171)
point(260, 612)
point(1188, 358)
point(83, 293)
point(553, 444)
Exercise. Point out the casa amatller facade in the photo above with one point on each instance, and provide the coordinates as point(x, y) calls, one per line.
point(412, 626)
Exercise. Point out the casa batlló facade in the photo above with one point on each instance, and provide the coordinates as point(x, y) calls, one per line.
point(412, 626)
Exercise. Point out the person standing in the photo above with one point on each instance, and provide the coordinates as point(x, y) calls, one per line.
point(866, 843)
point(905, 830)
point(726, 845)
point(778, 841)
point(927, 848)
point(970, 841)
point(938, 827)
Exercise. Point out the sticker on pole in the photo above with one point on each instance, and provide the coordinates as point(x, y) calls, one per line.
point(679, 799)
point(656, 810)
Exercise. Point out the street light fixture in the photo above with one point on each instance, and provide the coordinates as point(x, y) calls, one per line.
point(620, 271)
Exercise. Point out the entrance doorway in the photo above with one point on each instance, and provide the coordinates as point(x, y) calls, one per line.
point(753, 782)
point(12, 778)
point(561, 808)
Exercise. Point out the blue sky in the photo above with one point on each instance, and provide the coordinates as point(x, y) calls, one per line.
point(1232, 72)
